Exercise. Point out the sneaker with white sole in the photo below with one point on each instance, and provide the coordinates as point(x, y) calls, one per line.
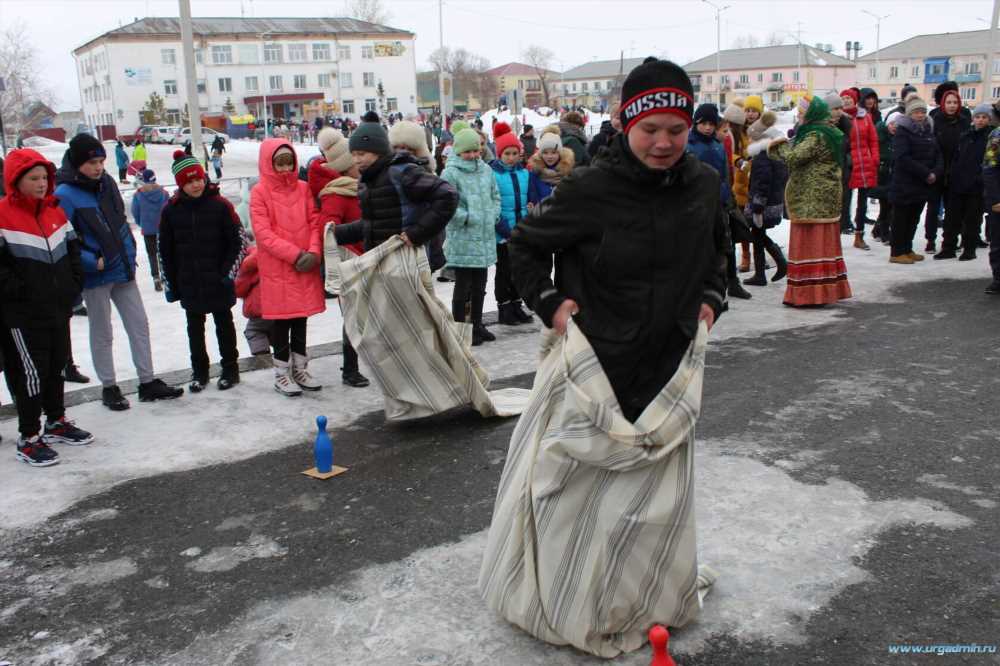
point(65, 431)
point(283, 383)
point(300, 373)
point(34, 452)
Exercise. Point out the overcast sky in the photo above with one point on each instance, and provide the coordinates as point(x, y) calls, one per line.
point(576, 30)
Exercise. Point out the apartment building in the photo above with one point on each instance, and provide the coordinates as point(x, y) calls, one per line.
point(298, 67)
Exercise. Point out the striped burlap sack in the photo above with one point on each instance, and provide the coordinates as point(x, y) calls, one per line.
point(593, 533)
point(419, 356)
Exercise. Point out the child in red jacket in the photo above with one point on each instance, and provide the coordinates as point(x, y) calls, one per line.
point(334, 183)
point(38, 291)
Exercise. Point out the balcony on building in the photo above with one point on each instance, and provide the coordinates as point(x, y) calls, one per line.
point(935, 70)
point(974, 77)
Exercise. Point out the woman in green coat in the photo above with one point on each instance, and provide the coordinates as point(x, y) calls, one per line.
point(817, 274)
point(471, 237)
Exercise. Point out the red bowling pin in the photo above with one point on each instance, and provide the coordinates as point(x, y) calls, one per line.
point(658, 638)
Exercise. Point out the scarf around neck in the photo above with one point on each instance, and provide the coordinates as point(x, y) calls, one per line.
point(345, 186)
point(817, 121)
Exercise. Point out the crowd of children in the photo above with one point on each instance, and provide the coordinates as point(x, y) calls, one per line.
point(461, 204)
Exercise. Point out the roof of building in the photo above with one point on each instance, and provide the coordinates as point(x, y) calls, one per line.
point(942, 44)
point(514, 69)
point(602, 69)
point(764, 57)
point(153, 26)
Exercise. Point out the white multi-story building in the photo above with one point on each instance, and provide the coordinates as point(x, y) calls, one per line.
point(303, 66)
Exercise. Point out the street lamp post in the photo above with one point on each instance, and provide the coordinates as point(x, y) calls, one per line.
point(263, 82)
point(878, 37)
point(718, 45)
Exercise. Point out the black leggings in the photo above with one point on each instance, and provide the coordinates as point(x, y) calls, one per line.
point(470, 287)
point(288, 334)
point(35, 358)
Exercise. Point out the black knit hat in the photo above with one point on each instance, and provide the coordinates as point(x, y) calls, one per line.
point(370, 137)
point(83, 148)
point(942, 89)
point(907, 89)
point(656, 86)
point(707, 113)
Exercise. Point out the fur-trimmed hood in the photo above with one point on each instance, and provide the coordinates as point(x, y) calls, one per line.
point(761, 145)
point(565, 165)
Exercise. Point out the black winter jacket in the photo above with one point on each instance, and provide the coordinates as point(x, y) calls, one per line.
point(201, 247)
point(530, 144)
point(574, 139)
point(967, 163)
point(602, 138)
point(639, 251)
point(948, 130)
point(397, 194)
point(767, 185)
point(917, 156)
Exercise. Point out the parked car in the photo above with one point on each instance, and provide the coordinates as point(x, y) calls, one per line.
point(207, 135)
point(164, 134)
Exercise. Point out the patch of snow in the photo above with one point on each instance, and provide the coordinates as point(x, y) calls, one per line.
point(225, 558)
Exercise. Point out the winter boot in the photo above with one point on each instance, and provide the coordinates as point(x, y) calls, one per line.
point(744, 257)
point(199, 380)
point(71, 373)
point(759, 279)
point(230, 377)
point(930, 245)
point(859, 241)
point(520, 313)
point(506, 315)
point(993, 289)
point(968, 254)
point(354, 379)
point(735, 289)
point(300, 373)
point(158, 284)
point(112, 398)
point(283, 383)
point(158, 390)
point(945, 253)
point(779, 259)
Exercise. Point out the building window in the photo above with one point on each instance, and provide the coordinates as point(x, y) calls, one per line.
point(996, 66)
point(167, 57)
point(173, 116)
point(296, 53)
point(249, 55)
point(709, 78)
point(725, 79)
point(597, 86)
point(760, 77)
point(348, 106)
point(777, 77)
point(391, 104)
point(583, 87)
point(972, 68)
point(346, 80)
point(369, 81)
point(574, 87)
point(369, 105)
point(222, 55)
point(565, 89)
point(225, 84)
point(969, 94)
point(536, 85)
point(343, 53)
point(915, 71)
point(775, 97)
point(250, 83)
point(272, 52)
point(744, 78)
point(324, 81)
point(321, 51)
point(872, 72)
point(274, 82)
point(199, 56)
point(795, 76)
point(367, 53)
point(996, 92)
point(935, 70)
point(299, 81)
point(894, 72)
point(201, 86)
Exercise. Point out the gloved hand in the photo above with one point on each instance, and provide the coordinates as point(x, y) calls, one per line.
point(502, 229)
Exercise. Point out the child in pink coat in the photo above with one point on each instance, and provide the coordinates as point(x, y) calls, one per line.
point(289, 237)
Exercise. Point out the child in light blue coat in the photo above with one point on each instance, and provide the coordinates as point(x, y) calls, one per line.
point(513, 181)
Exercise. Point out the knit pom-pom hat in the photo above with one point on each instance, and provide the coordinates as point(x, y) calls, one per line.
point(335, 149)
point(186, 169)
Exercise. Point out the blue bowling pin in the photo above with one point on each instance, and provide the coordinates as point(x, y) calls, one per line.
point(323, 450)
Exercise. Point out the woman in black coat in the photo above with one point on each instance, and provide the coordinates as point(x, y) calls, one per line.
point(949, 126)
point(765, 200)
point(918, 167)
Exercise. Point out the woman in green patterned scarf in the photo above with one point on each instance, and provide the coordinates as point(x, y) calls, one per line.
point(817, 274)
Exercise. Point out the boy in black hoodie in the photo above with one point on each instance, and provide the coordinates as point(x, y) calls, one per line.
point(201, 247)
point(964, 211)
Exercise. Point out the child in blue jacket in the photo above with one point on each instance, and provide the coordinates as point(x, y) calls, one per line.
point(703, 145)
point(147, 205)
point(121, 159)
point(512, 181)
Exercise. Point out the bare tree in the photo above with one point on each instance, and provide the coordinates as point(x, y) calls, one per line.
point(467, 70)
point(747, 41)
point(372, 11)
point(540, 59)
point(19, 71)
point(776, 39)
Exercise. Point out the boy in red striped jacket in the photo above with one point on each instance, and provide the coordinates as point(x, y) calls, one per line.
point(40, 278)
